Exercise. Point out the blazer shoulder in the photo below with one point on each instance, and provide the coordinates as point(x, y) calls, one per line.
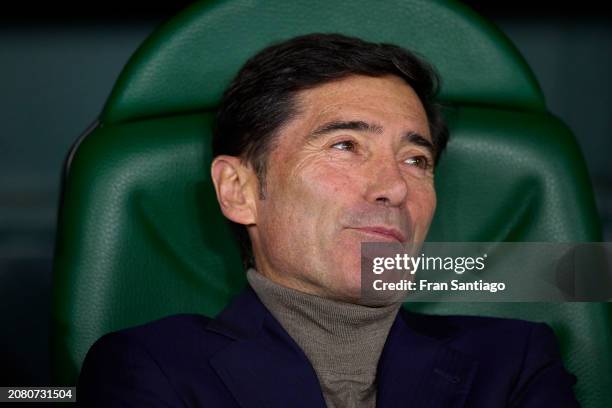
point(522, 332)
point(169, 326)
point(470, 325)
point(521, 355)
point(480, 335)
point(182, 335)
point(126, 366)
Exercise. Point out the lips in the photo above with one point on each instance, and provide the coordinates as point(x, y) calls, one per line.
point(384, 232)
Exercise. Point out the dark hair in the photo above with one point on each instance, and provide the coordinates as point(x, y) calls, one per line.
point(260, 99)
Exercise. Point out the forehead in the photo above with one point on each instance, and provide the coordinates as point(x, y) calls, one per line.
point(388, 101)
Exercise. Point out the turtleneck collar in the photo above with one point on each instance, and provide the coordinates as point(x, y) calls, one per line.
point(337, 322)
point(343, 341)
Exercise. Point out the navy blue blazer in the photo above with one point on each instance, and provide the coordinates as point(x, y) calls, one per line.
point(244, 358)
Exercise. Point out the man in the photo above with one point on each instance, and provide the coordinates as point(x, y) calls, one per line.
point(323, 142)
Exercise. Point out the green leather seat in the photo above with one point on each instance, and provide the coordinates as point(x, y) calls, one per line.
point(140, 234)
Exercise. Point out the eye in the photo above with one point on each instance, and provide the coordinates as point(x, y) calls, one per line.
point(422, 162)
point(347, 145)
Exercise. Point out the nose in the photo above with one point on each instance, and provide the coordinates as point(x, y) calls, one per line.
point(387, 185)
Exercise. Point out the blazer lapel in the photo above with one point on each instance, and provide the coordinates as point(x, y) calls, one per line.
point(263, 366)
point(418, 369)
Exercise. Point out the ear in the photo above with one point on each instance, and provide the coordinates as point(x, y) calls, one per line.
point(236, 187)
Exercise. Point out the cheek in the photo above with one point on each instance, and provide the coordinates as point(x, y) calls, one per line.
point(321, 192)
point(429, 200)
point(298, 202)
point(423, 207)
point(331, 184)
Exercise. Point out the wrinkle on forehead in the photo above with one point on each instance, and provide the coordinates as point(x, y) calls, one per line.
point(363, 98)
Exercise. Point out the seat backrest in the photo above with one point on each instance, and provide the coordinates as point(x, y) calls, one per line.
point(141, 236)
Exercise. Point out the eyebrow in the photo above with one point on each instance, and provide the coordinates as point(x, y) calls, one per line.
point(346, 125)
point(359, 125)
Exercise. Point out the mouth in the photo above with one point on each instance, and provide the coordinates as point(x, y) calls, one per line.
point(390, 234)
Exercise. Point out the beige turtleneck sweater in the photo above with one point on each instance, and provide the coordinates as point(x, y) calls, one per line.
point(342, 341)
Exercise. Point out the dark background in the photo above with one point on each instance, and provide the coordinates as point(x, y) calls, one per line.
point(58, 63)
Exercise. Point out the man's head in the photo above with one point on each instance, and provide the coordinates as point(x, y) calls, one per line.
point(323, 142)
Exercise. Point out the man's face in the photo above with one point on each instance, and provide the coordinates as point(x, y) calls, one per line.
point(354, 165)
